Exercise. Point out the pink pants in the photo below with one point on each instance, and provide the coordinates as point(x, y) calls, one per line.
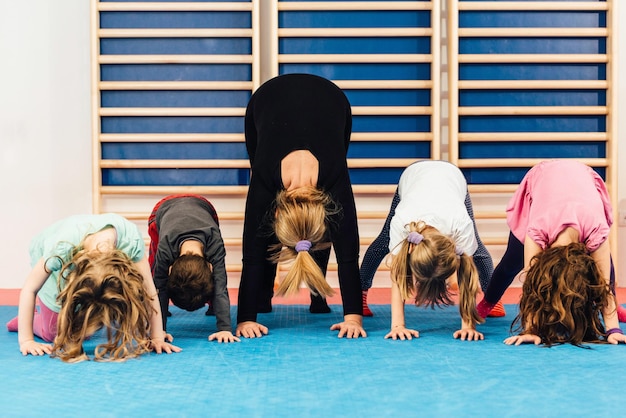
point(44, 323)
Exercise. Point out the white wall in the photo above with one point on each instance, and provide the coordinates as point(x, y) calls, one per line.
point(45, 124)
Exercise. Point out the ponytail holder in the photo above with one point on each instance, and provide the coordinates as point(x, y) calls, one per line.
point(458, 250)
point(414, 237)
point(303, 245)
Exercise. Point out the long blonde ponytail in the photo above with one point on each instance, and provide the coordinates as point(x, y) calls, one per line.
point(302, 217)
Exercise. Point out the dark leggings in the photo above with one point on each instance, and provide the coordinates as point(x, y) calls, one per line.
point(380, 248)
point(510, 265)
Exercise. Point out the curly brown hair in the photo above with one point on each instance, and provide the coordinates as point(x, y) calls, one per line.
point(104, 290)
point(563, 297)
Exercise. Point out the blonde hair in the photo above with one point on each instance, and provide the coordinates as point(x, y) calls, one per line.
point(422, 269)
point(104, 289)
point(302, 214)
point(563, 296)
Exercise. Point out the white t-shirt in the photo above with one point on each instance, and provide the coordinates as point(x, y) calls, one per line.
point(433, 192)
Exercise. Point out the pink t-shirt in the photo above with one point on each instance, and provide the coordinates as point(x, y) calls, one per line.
point(558, 194)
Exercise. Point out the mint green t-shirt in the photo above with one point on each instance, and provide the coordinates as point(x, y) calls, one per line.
point(56, 242)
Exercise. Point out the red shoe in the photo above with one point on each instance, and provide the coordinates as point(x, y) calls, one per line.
point(497, 311)
point(621, 313)
point(366, 309)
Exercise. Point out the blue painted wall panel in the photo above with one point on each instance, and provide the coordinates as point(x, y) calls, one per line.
point(532, 45)
point(354, 19)
point(377, 97)
point(532, 98)
point(175, 98)
point(391, 123)
point(175, 46)
point(165, 124)
point(389, 149)
point(175, 177)
point(581, 123)
point(175, 20)
point(174, 151)
point(176, 72)
point(372, 45)
point(532, 150)
point(361, 71)
point(532, 72)
point(534, 19)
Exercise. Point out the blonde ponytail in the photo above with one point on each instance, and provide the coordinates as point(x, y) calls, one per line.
point(467, 277)
point(302, 216)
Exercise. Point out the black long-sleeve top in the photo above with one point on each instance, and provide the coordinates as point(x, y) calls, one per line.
point(289, 113)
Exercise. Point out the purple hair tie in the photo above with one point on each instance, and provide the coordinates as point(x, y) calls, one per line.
point(303, 245)
point(458, 250)
point(414, 237)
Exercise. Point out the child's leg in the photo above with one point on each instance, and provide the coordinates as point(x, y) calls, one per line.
point(482, 258)
point(510, 265)
point(378, 249)
point(44, 323)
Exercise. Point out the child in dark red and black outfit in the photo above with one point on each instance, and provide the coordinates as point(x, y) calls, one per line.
point(187, 259)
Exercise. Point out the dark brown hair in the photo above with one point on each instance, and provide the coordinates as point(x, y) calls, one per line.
point(190, 285)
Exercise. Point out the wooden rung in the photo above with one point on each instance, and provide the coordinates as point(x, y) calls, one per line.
point(532, 110)
point(490, 214)
point(379, 162)
point(520, 162)
point(172, 111)
point(531, 136)
point(354, 58)
point(354, 5)
point(533, 32)
point(533, 58)
point(352, 32)
point(174, 7)
point(175, 33)
point(217, 138)
point(534, 84)
point(383, 84)
point(175, 59)
point(485, 6)
point(391, 110)
point(494, 240)
point(176, 85)
point(491, 188)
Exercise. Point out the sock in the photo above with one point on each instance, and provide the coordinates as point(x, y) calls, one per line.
point(484, 308)
point(497, 311)
point(12, 325)
point(366, 309)
point(621, 313)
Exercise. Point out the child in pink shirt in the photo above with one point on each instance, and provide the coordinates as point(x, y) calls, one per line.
point(560, 215)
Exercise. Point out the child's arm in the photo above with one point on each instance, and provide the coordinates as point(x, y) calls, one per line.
point(398, 328)
point(602, 256)
point(26, 309)
point(157, 334)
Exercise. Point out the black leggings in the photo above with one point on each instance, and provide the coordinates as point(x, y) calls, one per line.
point(510, 265)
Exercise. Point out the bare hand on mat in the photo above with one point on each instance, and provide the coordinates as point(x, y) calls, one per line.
point(351, 327)
point(400, 332)
point(223, 337)
point(469, 334)
point(523, 339)
point(35, 348)
point(250, 329)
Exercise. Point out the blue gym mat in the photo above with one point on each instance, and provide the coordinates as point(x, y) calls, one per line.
point(302, 369)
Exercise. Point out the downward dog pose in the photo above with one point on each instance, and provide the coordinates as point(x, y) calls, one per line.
point(89, 272)
point(431, 234)
point(560, 217)
point(187, 259)
point(299, 201)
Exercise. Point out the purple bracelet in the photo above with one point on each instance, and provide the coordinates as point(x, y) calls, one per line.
point(613, 331)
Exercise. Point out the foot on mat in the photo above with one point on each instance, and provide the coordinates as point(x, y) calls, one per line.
point(318, 305)
point(497, 311)
point(621, 313)
point(366, 308)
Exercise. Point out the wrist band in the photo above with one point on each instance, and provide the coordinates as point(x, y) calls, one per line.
point(614, 331)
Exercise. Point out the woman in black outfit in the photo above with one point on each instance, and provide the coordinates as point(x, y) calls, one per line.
point(300, 200)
